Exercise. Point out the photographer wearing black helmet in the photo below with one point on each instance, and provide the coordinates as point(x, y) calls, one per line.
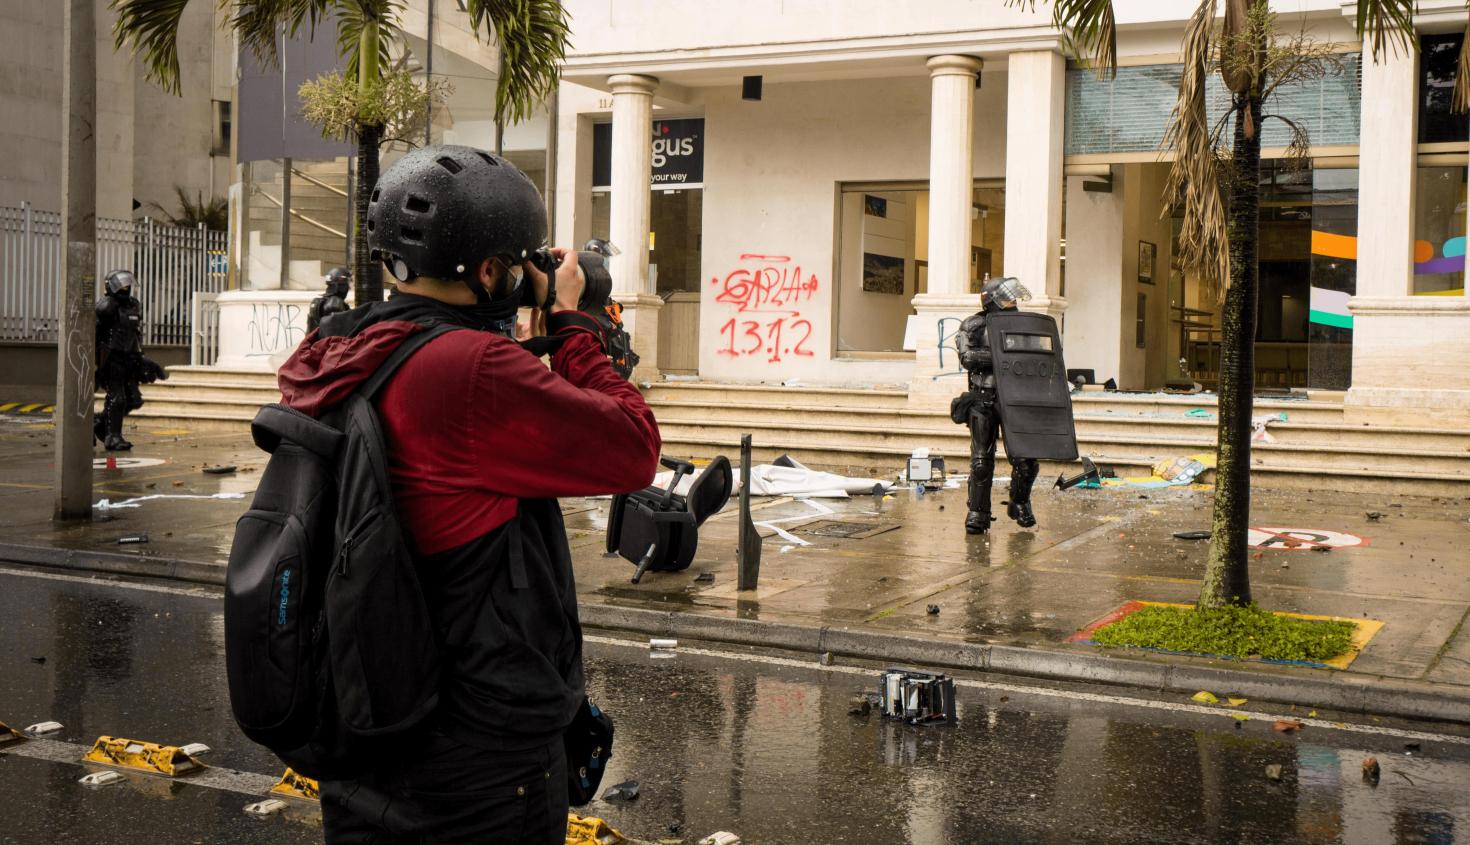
point(482, 437)
point(121, 365)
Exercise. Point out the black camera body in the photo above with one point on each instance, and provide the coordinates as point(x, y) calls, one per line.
point(542, 260)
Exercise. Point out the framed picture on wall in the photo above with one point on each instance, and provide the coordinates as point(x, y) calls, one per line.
point(1148, 254)
point(980, 260)
point(883, 273)
point(875, 206)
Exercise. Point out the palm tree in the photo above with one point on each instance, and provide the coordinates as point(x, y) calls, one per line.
point(532, 36)
point(1217, 192)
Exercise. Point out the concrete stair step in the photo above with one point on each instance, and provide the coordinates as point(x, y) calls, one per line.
point(192, 375)
point(776, 396)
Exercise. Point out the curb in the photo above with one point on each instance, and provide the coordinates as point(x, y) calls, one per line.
point(115, 563)
point(1359, 694)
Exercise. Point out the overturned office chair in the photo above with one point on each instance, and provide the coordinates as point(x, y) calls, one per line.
point(657, 528)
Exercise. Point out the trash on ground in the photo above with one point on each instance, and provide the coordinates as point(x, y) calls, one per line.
point(661, 643)
point(932, 610)
point(860, 705)
point(268, 807)
point(704, 578)
point(107, 504)
point(625, 791)
point(220, 470)
point(825, 658)
point(1374, 516)
point(132, 539)
point(1371, 770)
point(1191, 535)
point(1286, 726)
point(1205, 697)
point(40, 660)
point(1259, 433)
point(723, 837)
point(1199, 414)
point(786, 477)
point(47, 727)
point(1273, 771)
point(917, 697)
point(925, 469)
point(1089, 478)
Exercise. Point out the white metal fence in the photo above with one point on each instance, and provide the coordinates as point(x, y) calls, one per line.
point(171, 264)
point(204, 344)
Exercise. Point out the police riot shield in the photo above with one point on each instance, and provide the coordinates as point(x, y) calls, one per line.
point(1032, 393)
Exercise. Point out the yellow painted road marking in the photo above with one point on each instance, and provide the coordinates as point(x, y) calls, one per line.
point(9, 405)
point(26, 409)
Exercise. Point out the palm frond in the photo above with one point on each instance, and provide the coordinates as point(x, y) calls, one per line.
point(1299, 151)
point(1194, 185)
point(1387, 23)
point(151, 28)
point(532, 36)
point(259, 23)
point(1092, 31)
point(351, 17)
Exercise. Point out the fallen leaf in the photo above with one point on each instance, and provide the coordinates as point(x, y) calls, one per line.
point(1312, 714)
point(1286, 726)
point(1240, 717)
point(1204, 697)
point(1235, 702)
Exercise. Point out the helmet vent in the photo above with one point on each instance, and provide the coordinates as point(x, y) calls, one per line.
point(449, 164)
point(372, 224)
point(489, 159)
point(376, 192)
point(411, 234)
point(418, 204)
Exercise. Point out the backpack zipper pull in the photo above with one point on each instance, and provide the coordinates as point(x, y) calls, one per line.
point(342, 557)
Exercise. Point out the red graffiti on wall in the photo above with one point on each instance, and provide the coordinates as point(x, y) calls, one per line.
point(767, 289)
point(772, 284)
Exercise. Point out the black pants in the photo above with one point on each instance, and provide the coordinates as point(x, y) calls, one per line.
point(985, 430)
point(119, 377)
point(448, 793)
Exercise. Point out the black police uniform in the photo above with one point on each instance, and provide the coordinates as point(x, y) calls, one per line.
point(979, 410)
point(120, 362)
point(333, 301)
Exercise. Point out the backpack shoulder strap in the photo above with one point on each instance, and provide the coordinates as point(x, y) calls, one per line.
point(405, 350)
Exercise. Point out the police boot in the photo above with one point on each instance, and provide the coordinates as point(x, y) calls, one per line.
point(978, 522)
point(116, 443)
point(1021, 513)
point(99, 429)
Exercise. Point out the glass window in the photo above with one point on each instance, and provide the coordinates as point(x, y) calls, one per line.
point(675, 236)
point(1027, 342)
point(1334, 278)
point(1439, 57)
point(1439, 230)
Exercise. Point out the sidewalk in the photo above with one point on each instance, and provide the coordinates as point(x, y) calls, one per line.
point(1007, 603)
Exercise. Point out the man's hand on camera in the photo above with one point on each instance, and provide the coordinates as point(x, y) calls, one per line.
point(568, 281)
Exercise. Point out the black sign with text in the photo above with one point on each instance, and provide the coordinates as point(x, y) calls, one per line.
point(678, 153)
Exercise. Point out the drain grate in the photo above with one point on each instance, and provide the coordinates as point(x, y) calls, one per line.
point(846, 530)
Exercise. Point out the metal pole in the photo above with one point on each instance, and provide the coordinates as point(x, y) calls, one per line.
point(552, 109)
point(285, 223)
point(429, 76)
point(75, 342)
point(499, 123)
point(748, 550)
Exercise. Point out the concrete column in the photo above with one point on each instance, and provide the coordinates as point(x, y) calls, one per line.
point(1408, 351)
point(937, 373)
point(1036, 89)
point(632, 179)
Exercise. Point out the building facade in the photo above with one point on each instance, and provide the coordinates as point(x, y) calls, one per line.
point(813, 193)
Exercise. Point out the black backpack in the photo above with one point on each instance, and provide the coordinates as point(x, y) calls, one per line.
point(328, 640)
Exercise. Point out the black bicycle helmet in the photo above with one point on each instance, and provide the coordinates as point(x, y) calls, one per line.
point(441, 210)
point(119, 280)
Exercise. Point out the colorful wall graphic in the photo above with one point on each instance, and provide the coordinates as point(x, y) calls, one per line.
point(1330, 307)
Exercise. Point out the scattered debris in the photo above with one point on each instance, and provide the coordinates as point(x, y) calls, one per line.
point(1088, 478)
point(1371, 770)
point(1258, 426)
point(932, 610)
point(1191, 535)
point(40, 660)
point(107, 504)
point(625, 791)
point(704, 578)
point(925, 470)
point(824, 659)
point(917, 697)
point(132, 539)
point(663, 644)
point(860, 705)
point(1286, 726)
point(1374, 516)
point(220, 470)
point(723, 837)
point(1199, 414)
point(1273, 771)
point(1411, 746)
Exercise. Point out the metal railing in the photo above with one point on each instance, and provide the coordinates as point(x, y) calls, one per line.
point(171, 263)
point(204, 317)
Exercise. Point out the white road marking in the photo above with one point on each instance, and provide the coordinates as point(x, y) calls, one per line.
point(1074, 695)
point(197, 592)
point(211, 777)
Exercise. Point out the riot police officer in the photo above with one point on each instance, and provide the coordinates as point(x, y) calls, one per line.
point(121, 365)
point(1025, 350)
point(332, 301)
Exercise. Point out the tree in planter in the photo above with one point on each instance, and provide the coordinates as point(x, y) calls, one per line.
point(213, 214)
point(532, 36)
point(1217, 192)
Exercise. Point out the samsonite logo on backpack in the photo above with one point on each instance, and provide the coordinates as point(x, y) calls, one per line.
point(317, 564)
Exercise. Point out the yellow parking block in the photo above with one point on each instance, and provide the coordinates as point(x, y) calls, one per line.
point(168, 760)
point(292, 785)
point(9, 734)
point(588, 830)
point(9, 406)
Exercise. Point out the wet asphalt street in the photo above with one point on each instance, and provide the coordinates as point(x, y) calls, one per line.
point(754, 744)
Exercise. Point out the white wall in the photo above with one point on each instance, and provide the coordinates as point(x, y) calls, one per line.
point(772, 169)
point(868, 320)
point(1093, 331)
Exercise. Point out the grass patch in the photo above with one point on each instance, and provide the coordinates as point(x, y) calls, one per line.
point(1238, 632)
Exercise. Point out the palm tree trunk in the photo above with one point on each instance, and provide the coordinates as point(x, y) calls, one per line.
point(367, 274)
point(1227, 571)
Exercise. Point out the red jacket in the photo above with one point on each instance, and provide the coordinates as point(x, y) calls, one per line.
point(474, 422)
